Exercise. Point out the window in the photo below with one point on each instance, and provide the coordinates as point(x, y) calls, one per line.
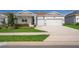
point(24, 20)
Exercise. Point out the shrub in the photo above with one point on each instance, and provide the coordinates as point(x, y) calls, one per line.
point(76, 23)
point(0, 27)
point(6, 26)
point(16, 27)
point(34, 25)
point(22, 25)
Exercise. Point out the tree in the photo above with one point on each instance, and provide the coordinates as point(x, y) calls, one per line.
point(11, 19)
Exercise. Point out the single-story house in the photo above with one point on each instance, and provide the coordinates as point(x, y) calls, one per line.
point(23, 18)
point(52, 18)
point(72, 17)
point(38, 19)
point(3, 17)
point(26, 18)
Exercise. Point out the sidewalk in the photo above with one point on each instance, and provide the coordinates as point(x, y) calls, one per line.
point(24, 33)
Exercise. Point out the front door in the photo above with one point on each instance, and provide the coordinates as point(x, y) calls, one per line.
point(33, 20)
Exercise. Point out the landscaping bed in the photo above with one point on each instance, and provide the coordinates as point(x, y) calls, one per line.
point(11, 38)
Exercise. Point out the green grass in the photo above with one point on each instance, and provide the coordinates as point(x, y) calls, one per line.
point(11, 38)
point(20, 30)
point(75, 26)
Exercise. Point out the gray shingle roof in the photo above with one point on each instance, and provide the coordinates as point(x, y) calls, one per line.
point(73, 13)
point(25, 13)
point(54, 13)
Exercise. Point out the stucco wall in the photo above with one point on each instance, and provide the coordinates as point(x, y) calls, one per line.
point(29, 20)
point(77, 19)
point(1, 21)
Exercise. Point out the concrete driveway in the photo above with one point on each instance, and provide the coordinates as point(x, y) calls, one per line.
point(61, 33)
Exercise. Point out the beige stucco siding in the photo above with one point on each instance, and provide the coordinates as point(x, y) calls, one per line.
point(19, 20)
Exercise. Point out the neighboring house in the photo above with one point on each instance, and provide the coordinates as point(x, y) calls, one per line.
point(38, 19)
point(72, 17)
point(52, 18)
point(3, 18)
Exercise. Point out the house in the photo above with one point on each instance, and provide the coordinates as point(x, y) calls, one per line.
point(3, 17)
point(52, 18)
point(38, 19)
point(72, 17)
point(24, 18)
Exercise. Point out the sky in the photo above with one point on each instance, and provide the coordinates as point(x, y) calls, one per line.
point(61, 11)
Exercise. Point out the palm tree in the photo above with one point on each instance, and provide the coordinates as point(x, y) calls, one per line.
point(11, 19)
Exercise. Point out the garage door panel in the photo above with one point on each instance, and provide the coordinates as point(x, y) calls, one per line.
point(44, 22)
point(53, 22)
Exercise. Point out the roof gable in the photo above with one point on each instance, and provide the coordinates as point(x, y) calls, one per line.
point(25, 13)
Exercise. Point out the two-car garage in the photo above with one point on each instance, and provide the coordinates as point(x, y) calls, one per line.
point(52, 18)
point(44, 21)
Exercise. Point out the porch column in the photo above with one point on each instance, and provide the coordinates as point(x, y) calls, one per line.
point(35, 20)
point(30, 21)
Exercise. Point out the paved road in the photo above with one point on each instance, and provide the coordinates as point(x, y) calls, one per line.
point(39, 45)
point(61, 33)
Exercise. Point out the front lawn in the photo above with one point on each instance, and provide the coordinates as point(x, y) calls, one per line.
point(11, 38)
point(75, 26)
point(20, 30)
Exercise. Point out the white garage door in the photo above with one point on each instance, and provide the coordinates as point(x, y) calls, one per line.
point(54, 22)
point(41, 22)
point(49, 22)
